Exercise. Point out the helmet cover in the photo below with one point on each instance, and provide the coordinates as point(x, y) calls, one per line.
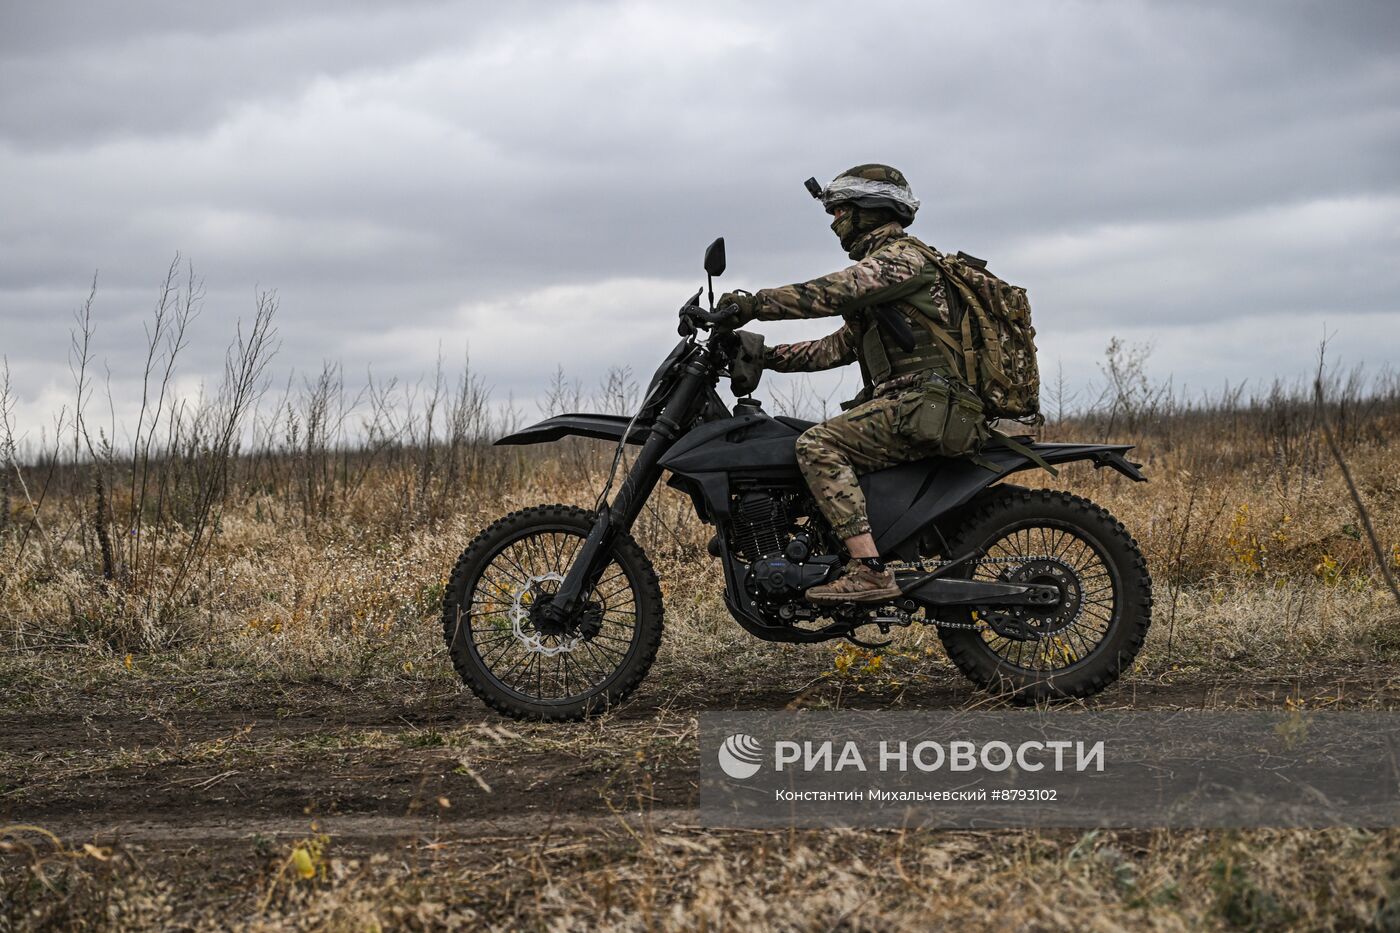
point(872, 185)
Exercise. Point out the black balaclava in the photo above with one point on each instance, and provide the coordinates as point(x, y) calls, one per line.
point(857, 222)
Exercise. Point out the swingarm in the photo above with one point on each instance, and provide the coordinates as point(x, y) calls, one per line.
point(945, 591)
point(937, 587)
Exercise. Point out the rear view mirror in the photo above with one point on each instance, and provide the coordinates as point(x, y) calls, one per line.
point(714, 258)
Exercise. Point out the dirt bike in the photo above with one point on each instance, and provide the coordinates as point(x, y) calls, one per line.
point(555, 613)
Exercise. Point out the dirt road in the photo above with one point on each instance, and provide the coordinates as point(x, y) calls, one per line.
point(190, 807)
point(442, 764)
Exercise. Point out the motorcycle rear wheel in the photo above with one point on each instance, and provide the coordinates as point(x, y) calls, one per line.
point(1088, 646)
point(524, 670)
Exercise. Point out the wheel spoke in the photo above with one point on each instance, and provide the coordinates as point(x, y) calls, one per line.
point(1032, 553)
point(600, 653)
point(522, 574)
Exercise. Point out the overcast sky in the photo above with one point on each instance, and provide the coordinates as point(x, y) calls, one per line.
point(535, 183)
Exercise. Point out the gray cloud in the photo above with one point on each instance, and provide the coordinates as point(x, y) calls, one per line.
point(456, 174)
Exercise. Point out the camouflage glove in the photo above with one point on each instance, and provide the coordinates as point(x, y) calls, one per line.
point(738, 307)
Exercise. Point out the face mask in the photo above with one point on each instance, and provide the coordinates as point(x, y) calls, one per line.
point(845, 229)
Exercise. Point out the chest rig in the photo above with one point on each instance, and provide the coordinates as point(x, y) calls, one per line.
point(881, 359)
point(880, 355)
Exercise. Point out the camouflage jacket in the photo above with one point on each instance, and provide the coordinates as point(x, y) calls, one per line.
point(890, 257)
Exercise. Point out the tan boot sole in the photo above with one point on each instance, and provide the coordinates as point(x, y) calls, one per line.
point(866, 596)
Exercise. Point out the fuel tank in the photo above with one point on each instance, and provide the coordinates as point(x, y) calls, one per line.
point(737, 445)
point(763, 448)
point(710, 458)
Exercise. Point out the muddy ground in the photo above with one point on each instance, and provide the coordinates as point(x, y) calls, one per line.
point(364, 767)
point(209, 794)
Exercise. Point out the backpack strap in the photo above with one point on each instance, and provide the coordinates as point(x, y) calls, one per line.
point(961, 355)
point(969, 354)
point(1023, 450)
point(963, 349)
point(893, 292)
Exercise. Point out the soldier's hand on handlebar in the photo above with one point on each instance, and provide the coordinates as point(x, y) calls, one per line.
point(725, 317)
point(734, 309)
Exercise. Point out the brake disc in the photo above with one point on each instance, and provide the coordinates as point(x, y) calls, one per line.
point(527, 601)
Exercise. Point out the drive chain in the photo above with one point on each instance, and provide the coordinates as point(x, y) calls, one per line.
point(927, 567)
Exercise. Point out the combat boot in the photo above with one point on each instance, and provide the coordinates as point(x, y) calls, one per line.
point(860, 582)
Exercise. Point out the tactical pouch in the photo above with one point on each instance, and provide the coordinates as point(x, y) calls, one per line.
point(923, 414)
point(948, 423)
point(747, 368)
point(966, 427)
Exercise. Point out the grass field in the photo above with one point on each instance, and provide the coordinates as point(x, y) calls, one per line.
point(224, 699)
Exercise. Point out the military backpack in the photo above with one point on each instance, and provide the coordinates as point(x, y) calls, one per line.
point(990, 343)
point(993, 343)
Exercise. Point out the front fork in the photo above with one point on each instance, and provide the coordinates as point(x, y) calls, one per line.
point(618, 517)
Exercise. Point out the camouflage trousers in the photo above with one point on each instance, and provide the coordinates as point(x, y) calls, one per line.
point(911, 425)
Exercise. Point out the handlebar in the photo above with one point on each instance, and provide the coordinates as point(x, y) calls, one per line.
point(721, 319)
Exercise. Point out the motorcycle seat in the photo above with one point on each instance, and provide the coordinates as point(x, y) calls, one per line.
point(797, 424)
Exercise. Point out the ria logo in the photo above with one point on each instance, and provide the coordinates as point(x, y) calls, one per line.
point(741, 756)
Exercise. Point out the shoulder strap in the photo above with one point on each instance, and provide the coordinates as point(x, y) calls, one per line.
point(963, 349)
point(961, 354)
point(893, 292)
point(1024, 451)
point(969, 354)
point(966, 369)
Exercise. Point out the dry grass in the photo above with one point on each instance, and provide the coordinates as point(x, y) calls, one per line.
point(1250, 576)
point(268, 628)
point(634, 875)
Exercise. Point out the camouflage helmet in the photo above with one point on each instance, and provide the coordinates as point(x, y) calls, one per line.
point(872, 185)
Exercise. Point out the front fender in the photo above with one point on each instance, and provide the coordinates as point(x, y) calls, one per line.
point(603, 427)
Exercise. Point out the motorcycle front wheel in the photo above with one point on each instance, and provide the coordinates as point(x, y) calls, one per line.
point(504, 647)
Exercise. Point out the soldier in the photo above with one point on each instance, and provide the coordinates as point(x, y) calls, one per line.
point(913, 403)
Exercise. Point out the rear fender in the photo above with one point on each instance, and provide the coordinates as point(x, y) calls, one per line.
point(908, 501)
